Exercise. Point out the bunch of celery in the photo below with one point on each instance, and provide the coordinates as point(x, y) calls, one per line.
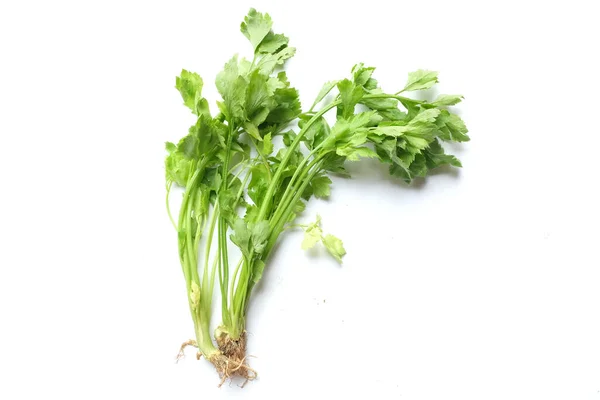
point(238, 188)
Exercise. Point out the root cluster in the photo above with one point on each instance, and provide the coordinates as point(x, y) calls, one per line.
point(231, 362)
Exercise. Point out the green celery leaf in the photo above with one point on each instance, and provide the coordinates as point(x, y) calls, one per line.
point(444, 100)
point(227, 200)
point(350, 95)
point(287, 106)
point(272, 43)
point(392, 114)
point(356, 153)
point(380, 104)
point(268, 62)
point(416, 142)
point(335, 163)
point(288, 137)
point(348, 131)
point(312, 234)
point(422, 125)
point(436, 157)
point(259, 183)
point(362, 76)
point(315, 133)
point(451, 127)
point(232, 87)
point(177, 167)
point(335, 247)
point(324, 91)
point(256, 27)
point(419, 166)
point(190, 86)
point(321, 187)
point(421, 79)
point(299, 207)
point(401, 171)
point(267, 146)
point(241, 236)
point(252, 131)
point(259, 94)
point(251, 213)
point(257, 270)
point(259, 235)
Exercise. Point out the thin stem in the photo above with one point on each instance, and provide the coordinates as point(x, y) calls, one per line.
point(299, 170)
point(224, 264)
point(231, 288)
point(212, 276)
point(202, 328)
point(240, 299)
point(286, 159)
point(389, 96)
point(209, 239)
point(222, 229)
point(192, 255)
point(276, 230)
point(169, 185)
point(184, 241)
point(243, 162)
point(291, 186)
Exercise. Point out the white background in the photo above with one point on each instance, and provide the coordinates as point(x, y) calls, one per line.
point(484, 284)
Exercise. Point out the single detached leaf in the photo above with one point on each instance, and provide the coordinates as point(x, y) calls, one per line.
point(421, 79)
point(256, 26)
point(311, 238)
point(312, 234)
point(335, 247)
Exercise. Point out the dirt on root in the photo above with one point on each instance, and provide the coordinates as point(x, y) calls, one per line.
point(231, 361)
